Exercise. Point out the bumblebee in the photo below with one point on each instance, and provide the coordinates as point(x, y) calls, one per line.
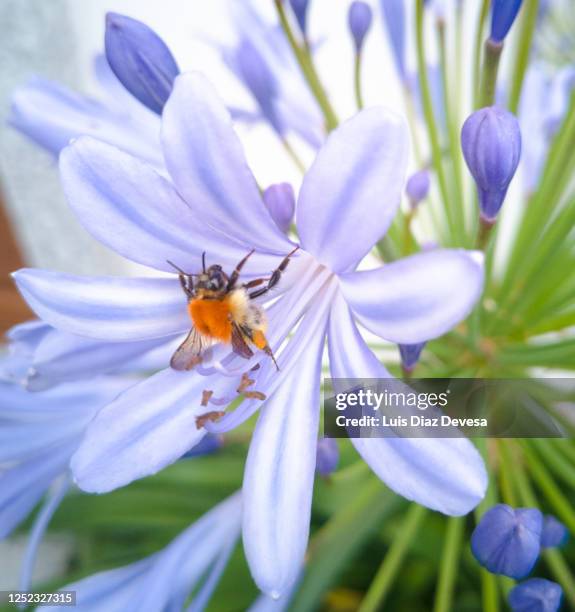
point(224, 311)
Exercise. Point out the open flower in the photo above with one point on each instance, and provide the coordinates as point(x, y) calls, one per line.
point(164, 580)
point(40, 432)
point(211, 203)
point(51, 115)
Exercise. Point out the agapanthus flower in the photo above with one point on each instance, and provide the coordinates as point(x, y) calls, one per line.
point(40, 432)
point(417, 187)
point(280, 202)
point(261, 59)
point(52, 115)
point(359, 21)
point(554, 532)
point(210, 203)
point(410, 354)
point(195, 559)
point(40, 356)
point(508, 540)
point(491, 144)
point(141, 60)
point(394, 20)
point(503, 14)
point(544, 102)
point(327, 456)
point(536, 595)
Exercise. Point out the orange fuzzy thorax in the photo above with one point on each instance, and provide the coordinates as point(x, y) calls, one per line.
point(212, 318)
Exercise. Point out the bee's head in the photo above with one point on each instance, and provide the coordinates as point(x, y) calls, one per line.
point(214, 279)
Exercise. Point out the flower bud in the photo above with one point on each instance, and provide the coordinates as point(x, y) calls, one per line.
point(507, 540)
point(299, 8)
point(502, 17)
point(140, 59)
point(417, 187)
point(536, 594)
point(327, 456)
point(394, 21)
point(280, 202)
point(491, 143)
point(554, 532)
point(359, 20)
point(410, 354)
point(259, 79)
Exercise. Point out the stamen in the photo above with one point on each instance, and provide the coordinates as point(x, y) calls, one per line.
point(206, 395)
point(213, 416)
point(255, 395)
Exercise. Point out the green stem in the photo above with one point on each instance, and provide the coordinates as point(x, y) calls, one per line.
point(357, 81)
point(384, 579)
point(484, 233)
point(293, 155)
point(552, 492)
point(429, 114)
point(449, 564)
point(491, 56)
point(457, 202)
point(528, 22)
point(303, 58)
point(483, 12)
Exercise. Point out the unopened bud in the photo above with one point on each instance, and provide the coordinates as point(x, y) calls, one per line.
point(491, 143)
point(410, 354)
point(299, 8)
point(327, 456)
point(140, 59)
point(280, 202)
point(417, 187)
point(503, 15)
point(359, 20)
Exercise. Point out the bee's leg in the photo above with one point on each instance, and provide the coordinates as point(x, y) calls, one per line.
point(236, 273)
point(254, 283)
point(187, 284)
point(275, 277)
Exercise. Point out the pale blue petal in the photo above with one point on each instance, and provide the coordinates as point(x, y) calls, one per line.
point(447, 474)
point(207, 164)
point(417, 298)
point(129, 207)
point(157, 582)
point(64, 357)
point(52, 116)
point(353, 189)
point(21, 487)
point(279, 475)
point(145, 429)
point(106, 307)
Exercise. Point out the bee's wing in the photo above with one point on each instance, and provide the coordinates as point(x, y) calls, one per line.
point(187, 355)
point(239, 344)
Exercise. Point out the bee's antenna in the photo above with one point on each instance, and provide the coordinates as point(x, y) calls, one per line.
point(176, 268)
point(204, 262)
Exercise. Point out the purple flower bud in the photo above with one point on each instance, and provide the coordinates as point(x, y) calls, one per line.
point(507, 540)
point(359, 20)
point(258, 78)
point(299, 7)
point(410, 354)
point(502, 17)
point(327, 456)
point(417, 187)
point(491, 143)
point(140, 59)
point(554, 532)
point(394, 20)
point(280, 201)
point(536, 594)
